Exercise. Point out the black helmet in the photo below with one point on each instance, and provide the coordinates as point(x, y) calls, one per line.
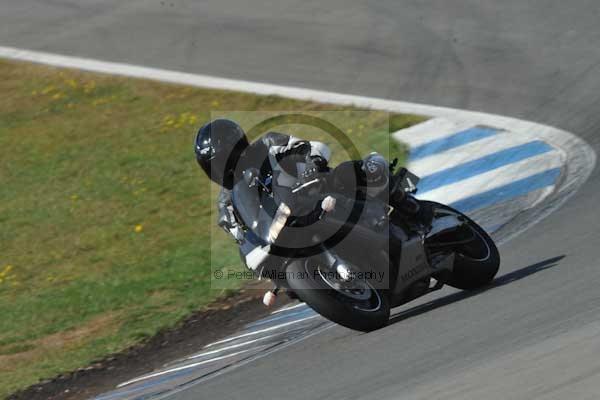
point(219, 145)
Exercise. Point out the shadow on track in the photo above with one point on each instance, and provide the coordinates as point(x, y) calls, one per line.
point(453, 298)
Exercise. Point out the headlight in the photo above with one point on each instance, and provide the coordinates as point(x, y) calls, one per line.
point(281, 216)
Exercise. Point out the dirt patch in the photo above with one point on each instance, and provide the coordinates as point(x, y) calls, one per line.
point(28, 352)
point(216, 321)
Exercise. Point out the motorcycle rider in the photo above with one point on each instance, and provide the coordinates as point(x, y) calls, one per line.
point(222, 147)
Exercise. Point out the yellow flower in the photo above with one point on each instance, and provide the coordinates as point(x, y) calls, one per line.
point(48, 89)
point(74, 197)
point(138, 228)
point(89, 87)
point(215, 103)
point(5, 272)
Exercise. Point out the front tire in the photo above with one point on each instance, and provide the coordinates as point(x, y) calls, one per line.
point(365, 313)
point(476, 264)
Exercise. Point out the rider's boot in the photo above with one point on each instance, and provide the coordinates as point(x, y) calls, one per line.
point(269, 298)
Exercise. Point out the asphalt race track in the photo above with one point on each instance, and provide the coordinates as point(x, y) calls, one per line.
point(536, 333)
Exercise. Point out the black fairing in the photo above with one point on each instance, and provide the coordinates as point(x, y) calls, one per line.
point(358, 232)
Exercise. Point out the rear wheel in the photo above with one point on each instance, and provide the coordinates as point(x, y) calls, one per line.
point(477, 261)
point(356, 304)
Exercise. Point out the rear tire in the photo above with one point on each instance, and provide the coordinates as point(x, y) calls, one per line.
point(473, 268)
point(310, 287)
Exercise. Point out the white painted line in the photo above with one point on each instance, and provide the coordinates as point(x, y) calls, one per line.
point(467, 152)
point(233, 346)
point(430, 130)
point(187, 366)
point(271, 328)
point(493, 179)
point(250, 359)
point(208, 81)
point(289, 308)
point(278, 317)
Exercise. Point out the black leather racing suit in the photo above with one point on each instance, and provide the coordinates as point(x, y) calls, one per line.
point(288, 158)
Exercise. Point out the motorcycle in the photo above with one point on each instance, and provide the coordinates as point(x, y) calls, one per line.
point(354, 264)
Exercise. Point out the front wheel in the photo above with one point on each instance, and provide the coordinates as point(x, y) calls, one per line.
point(356, 305)
point(477, 261)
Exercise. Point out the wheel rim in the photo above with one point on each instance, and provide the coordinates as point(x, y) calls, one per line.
point(476, 250)
point(360, 294)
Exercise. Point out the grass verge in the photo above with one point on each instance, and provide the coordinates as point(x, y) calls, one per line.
point(104, 213)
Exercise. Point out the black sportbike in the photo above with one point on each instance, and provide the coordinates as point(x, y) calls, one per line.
point(353, 264)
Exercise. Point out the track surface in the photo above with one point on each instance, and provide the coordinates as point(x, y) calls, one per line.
point(536, 334)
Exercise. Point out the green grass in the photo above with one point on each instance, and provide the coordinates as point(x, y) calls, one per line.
point(105, 215)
